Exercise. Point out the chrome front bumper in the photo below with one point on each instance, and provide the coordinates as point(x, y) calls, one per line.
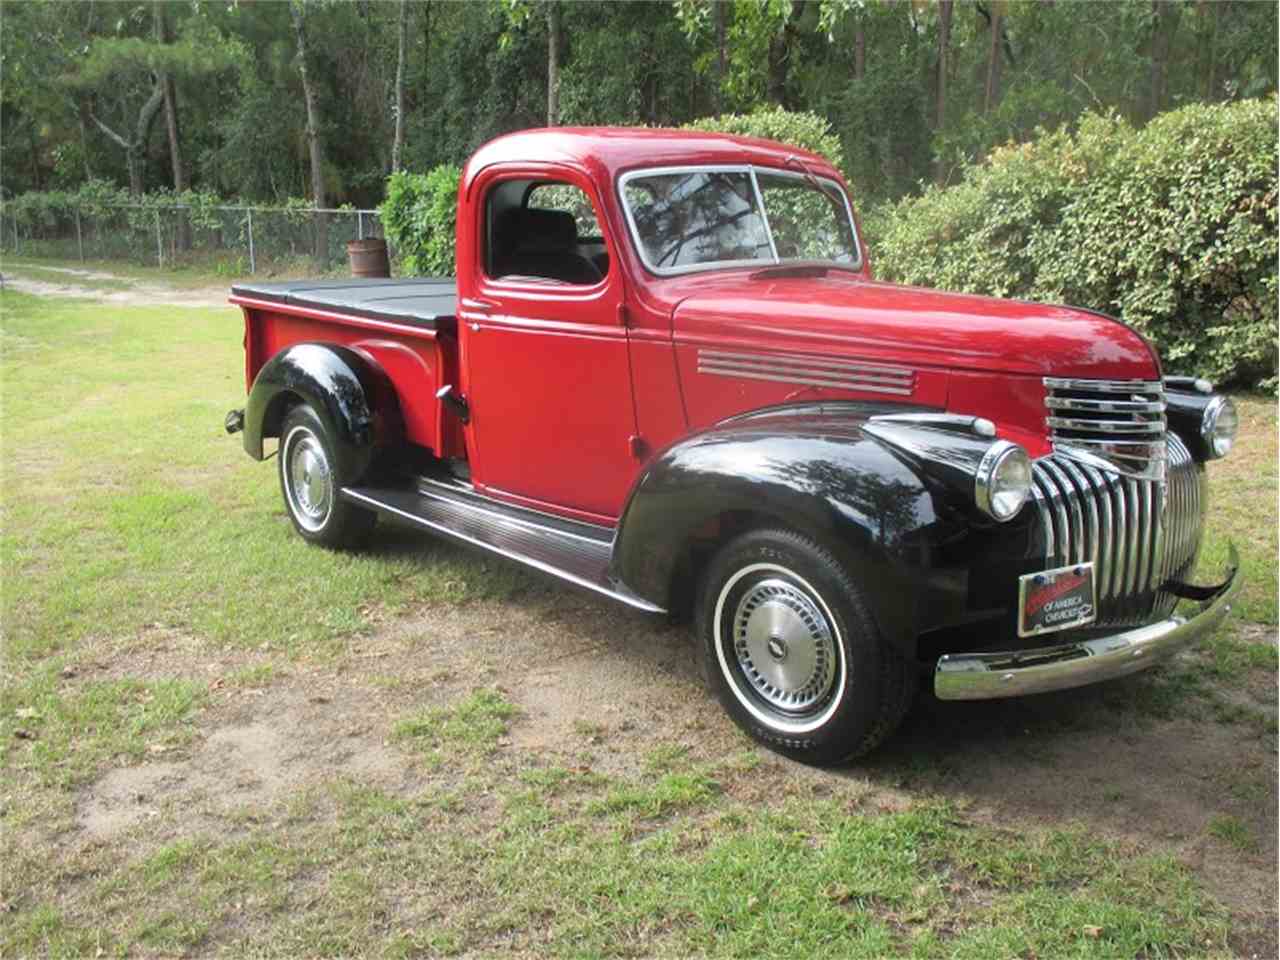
point(986, 676)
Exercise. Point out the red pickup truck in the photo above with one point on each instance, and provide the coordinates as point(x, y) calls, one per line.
point(665, 373)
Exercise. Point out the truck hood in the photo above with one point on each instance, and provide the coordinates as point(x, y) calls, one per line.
point(848, 315)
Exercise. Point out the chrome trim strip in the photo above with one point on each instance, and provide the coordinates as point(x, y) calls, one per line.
point(1157, 427)
point(1106, 406)
point(1129, 449)
point(809, 371)
point(1105, 386)
point(758, 366)
point(986, 676)
point(629, 600)
point(524, 522)
point(811, 381)
point(794, 359)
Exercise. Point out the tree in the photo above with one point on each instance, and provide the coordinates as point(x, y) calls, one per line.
point(397, 145)
point(165, 80)
point(553, 63)
point(1164, 24)
point(944, 43)
point(995, 24)
point(126, 56)
point(780, 49)
point(315, 144)
point(722, 51)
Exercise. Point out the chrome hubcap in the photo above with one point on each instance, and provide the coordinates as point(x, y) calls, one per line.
point(309, 482)
point(784, 645)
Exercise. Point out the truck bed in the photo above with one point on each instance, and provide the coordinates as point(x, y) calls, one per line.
point(430, 302)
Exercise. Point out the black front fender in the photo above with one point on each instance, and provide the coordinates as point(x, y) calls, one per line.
point(826, 478)
point(352, 395)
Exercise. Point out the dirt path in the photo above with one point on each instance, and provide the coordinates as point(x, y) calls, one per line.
point(80, 285)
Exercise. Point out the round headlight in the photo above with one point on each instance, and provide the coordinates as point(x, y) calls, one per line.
point(1219, 425)
point(1003, 482)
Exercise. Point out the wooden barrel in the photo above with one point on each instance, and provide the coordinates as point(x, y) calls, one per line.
point(369, 258)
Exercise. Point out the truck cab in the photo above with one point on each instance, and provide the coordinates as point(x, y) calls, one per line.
point(665, 373)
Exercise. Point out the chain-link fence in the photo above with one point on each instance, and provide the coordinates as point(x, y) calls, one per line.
point(223, 239)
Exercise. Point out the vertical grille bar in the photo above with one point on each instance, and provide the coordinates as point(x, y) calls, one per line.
point(1072, 504)
point(1115, 489)
point(1046, 520)
point(1105, 552)
point(1062, 526)
point(1134, 535)
point(1089, 549)
point(1146, 555)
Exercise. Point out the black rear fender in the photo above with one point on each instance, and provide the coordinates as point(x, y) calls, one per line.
point(347, 389)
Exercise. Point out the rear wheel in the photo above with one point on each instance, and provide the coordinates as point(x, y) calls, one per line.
point(792, 652)
point(310, 482)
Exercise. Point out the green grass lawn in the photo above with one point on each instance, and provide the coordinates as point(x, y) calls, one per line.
point(129, 517)
point(195, 271)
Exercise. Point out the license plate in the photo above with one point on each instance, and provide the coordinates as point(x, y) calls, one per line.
point(1056, 600)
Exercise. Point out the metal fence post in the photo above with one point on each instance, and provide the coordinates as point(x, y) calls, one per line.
point(253, 267)
point(79, 236)
point(159, 241)
point(359, 224)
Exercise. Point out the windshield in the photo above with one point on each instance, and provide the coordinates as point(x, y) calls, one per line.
point(698, 218)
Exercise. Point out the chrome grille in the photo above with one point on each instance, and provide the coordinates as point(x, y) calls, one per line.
point(1139, 533)
point(1116, 425)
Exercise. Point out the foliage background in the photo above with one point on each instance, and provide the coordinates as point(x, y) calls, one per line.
point(1171, 227)
point(1113, 154)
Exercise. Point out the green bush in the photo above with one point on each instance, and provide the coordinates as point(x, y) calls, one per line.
point(1172, 227)
point(419, 217)
point(806, 130)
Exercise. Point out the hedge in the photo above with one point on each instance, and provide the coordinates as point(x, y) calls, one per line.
point(420, 217)
point(1172, 227)
point(806, 130)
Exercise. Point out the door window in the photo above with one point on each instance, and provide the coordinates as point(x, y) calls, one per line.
point(547, 231)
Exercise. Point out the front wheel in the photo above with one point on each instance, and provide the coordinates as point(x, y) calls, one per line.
point(310, 482)
point(793, 653)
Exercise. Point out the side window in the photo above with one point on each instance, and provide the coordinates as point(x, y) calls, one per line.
point(544, 231)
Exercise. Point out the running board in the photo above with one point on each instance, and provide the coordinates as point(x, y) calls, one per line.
point(577, 552)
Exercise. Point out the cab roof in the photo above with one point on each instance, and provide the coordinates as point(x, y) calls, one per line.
point(614, 150)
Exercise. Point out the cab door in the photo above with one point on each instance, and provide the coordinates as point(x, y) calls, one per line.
point(545, 350)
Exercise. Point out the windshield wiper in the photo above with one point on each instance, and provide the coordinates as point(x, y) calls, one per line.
point(806, 172)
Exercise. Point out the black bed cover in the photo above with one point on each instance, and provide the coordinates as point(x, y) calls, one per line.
point(427, 303)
